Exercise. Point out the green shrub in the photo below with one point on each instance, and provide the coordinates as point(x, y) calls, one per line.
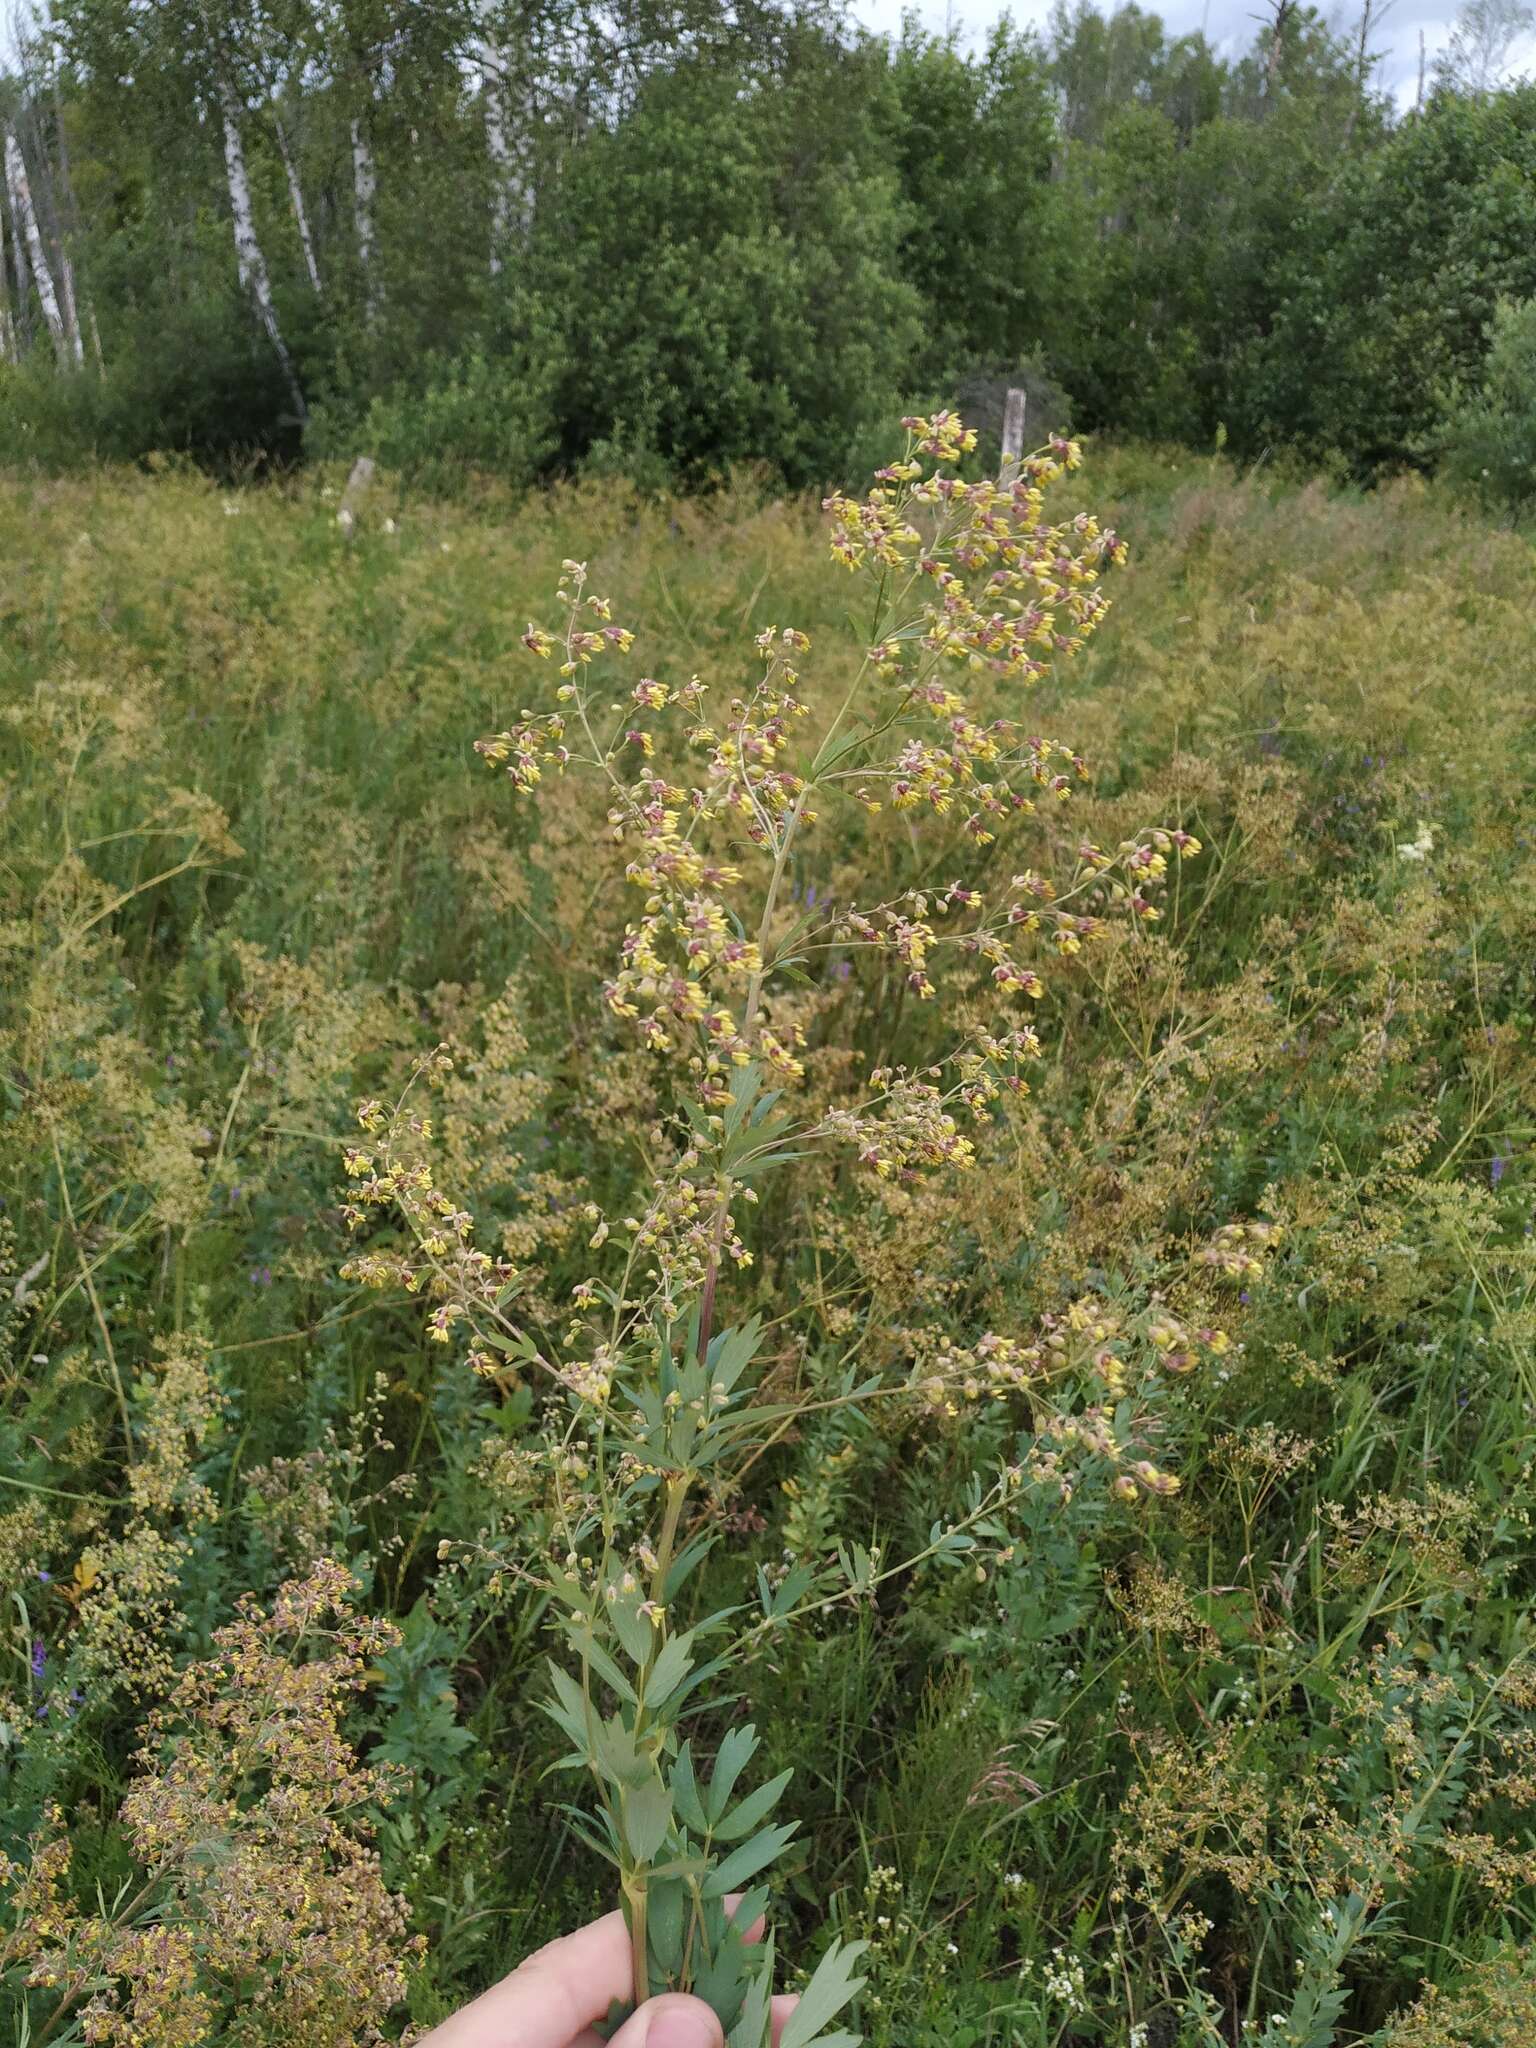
point(472, 415)
point(1488, 439)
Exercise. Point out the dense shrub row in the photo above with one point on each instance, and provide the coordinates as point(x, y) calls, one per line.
point(749, 238)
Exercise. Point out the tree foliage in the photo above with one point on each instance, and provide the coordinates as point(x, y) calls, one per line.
point(541, 234)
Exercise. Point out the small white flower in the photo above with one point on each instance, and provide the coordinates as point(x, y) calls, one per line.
point(1421, 847)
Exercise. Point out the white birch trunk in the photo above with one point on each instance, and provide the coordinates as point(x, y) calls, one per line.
point(23, 275)
point(26, 213)
point(67, 303)
point(8, 352)
point(300, 212)
point(509, 197)
point(365, 187)
point(62, 216)
point(500, 152)
point(249, 260)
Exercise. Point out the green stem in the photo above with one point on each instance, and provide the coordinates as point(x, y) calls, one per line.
point(635, 1893)
point(95, 1301)
point(636, 1880)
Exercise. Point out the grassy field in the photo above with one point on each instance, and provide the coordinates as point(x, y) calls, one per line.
point(1254, 1763)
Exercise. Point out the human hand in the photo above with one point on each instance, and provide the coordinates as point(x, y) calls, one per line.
point(555, 1997)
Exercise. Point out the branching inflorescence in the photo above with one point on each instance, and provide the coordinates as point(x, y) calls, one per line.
point(654, 1404)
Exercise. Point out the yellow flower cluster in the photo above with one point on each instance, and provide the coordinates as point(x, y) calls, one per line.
point(1238, 1250)
point(1008, 588)
point(910, 1127)
point(442, 1260)
point(979, 589)
point(261, 1904)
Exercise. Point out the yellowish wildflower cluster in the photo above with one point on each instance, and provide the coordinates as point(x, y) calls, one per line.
point(976, 588)
point(1009, 589)
point(259, 1911)
point(397, 1177)
point(1238, 1250)
point(709, 796)
point(1117, 1356)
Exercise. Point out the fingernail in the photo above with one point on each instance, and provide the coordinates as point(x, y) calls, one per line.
point(682, 2026)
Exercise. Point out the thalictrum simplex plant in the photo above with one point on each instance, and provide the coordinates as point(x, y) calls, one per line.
point(655, 1399)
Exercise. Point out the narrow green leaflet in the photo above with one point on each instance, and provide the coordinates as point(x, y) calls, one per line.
point(831, 1988)
point(685, 1792)
point(748, 1860)
point(737, 1749)
point(647, 1813)
point(674, 1661)
point(751, 2029)
point(753, 1810)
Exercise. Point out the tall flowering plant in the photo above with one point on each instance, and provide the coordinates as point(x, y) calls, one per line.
point(653, 1402)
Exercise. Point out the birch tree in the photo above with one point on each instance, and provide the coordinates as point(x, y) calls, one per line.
point(506, 194)
point(65, 219)
point(46, 194)
point(532, 55)
point(296, 201)
point(365, 186)
point(357, 44)
point(8, 349)
point(1479, 57)
point(25, 211)
point(23, 272)
point(64, 271)
point(249, 259)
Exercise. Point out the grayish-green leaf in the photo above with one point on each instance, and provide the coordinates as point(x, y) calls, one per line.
point(831, 1987)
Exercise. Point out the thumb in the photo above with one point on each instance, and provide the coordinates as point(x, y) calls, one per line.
point(672, 2021)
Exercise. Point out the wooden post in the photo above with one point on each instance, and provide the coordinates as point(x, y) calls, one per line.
point(357, 489)
point(1013, 438)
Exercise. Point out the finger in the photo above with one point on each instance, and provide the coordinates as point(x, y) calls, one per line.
point(671, 2021)
point(733, 1907)
point(551, 1998)
point(783, 2006)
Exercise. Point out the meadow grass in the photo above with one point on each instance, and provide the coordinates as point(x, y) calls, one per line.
point(1252, 1764)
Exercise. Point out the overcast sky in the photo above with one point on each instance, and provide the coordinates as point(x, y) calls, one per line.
point(1229, 24)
